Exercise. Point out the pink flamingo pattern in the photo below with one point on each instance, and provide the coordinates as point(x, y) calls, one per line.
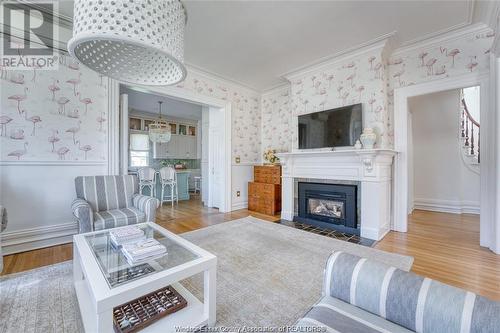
point(18, 153)
point(17, 134)
point(44, 113)
point(100, 120)
point(17, 78)
point(4, 120)
point(85, 148)
point(74, 130)
point(33, 119)
point(75, 82)
point(19, 99)
point(53, 139)
point(86, 101)
point(53, 88)
point(61, 152)
point(62, 101)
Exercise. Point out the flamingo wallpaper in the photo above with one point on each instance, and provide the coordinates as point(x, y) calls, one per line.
point(276, 120)
point(246, 114)
point(371, 80)
point(49, 115)
point(469, 53)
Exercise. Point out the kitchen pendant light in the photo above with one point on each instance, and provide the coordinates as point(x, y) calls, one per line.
point(131, 41)
point(159, 131)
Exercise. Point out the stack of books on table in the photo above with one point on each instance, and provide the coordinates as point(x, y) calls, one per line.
point(126, 235)
point(143, 250)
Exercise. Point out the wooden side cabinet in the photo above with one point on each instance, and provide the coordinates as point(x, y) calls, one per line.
point(264, 193)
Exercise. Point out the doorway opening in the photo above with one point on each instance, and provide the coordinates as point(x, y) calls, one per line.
point(196, 148)
point(402, 200)
point(444, 158)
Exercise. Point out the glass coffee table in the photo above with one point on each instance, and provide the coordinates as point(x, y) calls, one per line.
point(104, 279)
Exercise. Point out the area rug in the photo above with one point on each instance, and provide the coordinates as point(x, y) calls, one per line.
point(267, 274)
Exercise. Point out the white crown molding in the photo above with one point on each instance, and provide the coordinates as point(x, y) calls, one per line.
point(378, 43)
point(446, 36)
point(214, 76)
point(277, 89)
point(283, 83)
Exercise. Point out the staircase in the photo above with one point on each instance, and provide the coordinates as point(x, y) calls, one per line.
point(470, 134)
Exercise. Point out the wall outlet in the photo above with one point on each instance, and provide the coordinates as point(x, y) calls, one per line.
point(238, 193)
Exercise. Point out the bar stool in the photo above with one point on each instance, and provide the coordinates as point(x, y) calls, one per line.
point(197, 184)
point(168, 177)
point(147, 178)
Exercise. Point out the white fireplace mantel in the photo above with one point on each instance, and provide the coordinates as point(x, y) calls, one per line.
point(371, 167)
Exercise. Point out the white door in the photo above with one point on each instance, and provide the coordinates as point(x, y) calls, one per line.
point(216, 167)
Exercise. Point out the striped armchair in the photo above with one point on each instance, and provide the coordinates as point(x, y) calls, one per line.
point(104, 202)
point(361, 295)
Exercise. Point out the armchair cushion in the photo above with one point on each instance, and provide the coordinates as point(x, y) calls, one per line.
point(83, 212)
point(118, 218)
point(147, 205)
point(107, 192)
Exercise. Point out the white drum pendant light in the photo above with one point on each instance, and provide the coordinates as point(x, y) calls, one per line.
point(159, 131)
point(135, 41)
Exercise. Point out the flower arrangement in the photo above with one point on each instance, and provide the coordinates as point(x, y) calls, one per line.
point(270, 156)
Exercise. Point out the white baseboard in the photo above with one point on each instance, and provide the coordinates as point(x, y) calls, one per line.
point(239, 205)
point(35, 238)
point(447, 206)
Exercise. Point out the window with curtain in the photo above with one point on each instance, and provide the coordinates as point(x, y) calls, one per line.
point(139, 150)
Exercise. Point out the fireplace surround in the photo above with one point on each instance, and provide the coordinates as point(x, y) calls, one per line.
point(371, 168)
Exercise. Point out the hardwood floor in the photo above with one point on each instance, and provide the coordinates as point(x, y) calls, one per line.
point(445, 246)
point(187, 216)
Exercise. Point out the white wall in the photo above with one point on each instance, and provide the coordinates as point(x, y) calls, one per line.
point(441, 181)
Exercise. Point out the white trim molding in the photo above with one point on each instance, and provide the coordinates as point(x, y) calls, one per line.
point(240, 205)
point(488, 219)
point(35, 238)
point(447, 206)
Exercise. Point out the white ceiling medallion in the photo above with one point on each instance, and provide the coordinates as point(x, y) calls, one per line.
point(132, 41)
point(159, 131)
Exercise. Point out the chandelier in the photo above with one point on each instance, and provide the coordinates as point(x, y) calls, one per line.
point(159, 131)
point(139, 42)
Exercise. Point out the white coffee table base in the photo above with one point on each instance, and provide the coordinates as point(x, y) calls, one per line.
point(97, 300)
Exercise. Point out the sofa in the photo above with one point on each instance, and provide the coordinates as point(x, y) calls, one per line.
point(104, 202)
point(361, 295)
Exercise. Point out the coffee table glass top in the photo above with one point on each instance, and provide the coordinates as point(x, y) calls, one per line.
point(117, 270)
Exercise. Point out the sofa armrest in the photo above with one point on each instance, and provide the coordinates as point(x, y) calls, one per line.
point(84, 214)
point(147, 205)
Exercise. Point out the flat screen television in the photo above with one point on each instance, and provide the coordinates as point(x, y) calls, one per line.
point(338, 127)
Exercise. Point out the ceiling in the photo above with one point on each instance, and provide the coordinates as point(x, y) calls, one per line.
point(148, 102)
point(256, 42)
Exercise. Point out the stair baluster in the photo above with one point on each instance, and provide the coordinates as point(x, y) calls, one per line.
point(470, 140)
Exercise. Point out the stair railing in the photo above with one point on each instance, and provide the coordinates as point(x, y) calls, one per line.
point(471, 132)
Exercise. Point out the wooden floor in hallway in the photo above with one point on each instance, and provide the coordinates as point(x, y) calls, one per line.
point(445, 246)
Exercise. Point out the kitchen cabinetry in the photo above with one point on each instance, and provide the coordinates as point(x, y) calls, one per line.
point(183, 143)
point(180, 146)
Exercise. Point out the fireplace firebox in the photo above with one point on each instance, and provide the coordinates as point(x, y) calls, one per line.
point(332, 206)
